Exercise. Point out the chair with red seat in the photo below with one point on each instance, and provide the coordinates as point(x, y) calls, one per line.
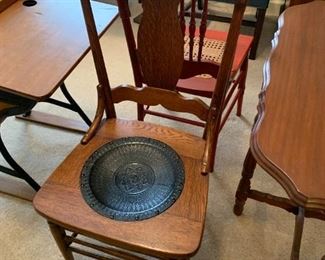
point(203, 51)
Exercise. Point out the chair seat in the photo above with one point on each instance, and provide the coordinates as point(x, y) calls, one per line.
point(176, 232)
point(214, 45)
point(212, 52)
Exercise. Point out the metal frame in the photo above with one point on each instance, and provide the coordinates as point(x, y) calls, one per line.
point(17, 171)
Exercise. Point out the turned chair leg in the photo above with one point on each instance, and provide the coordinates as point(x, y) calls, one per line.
point(299, 226)
point(242, 85)
point(59, 236)
point(245, 183)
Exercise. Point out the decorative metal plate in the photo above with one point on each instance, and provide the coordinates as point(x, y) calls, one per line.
point(132, 178)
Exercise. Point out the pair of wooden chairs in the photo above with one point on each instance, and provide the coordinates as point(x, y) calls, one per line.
point(176, 232)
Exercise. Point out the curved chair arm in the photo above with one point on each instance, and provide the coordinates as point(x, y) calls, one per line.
point(98, 116)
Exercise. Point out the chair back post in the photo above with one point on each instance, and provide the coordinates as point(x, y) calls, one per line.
point(218, 97)
point(98, 58)
point(203, 28)
point(125, 15)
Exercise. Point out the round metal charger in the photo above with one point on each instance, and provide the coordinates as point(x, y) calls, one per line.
point(132, 178)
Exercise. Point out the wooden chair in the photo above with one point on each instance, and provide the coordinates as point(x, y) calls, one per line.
point(11, 105)
point(261, 7)
point(175, 233)
point(203, 51)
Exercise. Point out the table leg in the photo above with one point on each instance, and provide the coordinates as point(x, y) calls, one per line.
point(245, 183)
point(16, 189)
point(260, 16)
point(58, 121)
point(299, 226)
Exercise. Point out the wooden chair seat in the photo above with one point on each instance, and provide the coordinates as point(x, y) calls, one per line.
point(176, 232)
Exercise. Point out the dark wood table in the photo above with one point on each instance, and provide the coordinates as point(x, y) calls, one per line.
point(39, 47)
point(288, 138)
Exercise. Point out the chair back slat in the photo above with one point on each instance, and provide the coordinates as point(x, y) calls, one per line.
point(203, 28)
point(182, 16)
point(160, 43)
point(161, 97)
point(192, 29)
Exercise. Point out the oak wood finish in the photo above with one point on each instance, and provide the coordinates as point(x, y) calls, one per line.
point(184, 220)
point(175, 233)
point(5, 3)
point(35, 64)
point(288, 138)
point(165, 98)
point(298, 162)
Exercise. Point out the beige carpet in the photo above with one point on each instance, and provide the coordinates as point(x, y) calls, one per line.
point(262, 232)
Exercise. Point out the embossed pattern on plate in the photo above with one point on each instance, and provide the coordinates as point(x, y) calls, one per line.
point(132, 178)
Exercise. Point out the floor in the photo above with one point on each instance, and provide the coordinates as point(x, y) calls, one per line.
point(262, 232)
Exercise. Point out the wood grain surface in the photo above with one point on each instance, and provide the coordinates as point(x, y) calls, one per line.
point(176, 231)
point(288, 140)
point(41, 45)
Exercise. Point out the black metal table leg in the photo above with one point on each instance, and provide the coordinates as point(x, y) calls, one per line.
point(17, 170)
point(72, 105)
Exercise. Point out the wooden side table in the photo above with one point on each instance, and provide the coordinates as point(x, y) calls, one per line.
point(288, 138)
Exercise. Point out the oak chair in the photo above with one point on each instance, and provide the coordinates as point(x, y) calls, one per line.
point(12, 105)
point(176, 232)
point(203, 51)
